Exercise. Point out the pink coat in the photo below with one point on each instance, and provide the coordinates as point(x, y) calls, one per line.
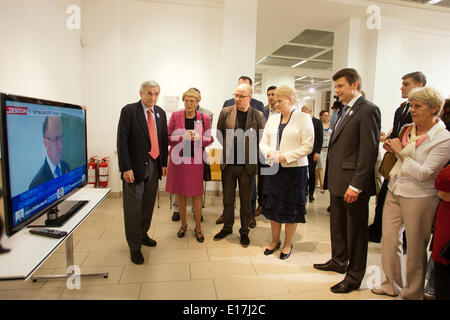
point(186, 179)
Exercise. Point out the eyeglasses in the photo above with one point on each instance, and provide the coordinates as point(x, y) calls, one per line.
point(238, 96)
point(55, 139)
point(190, 101)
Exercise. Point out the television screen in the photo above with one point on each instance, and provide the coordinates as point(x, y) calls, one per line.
point(43, 156)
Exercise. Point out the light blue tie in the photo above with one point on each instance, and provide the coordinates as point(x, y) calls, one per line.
point(57, 171)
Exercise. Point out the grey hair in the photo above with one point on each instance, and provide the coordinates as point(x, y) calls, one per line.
point(150, 83)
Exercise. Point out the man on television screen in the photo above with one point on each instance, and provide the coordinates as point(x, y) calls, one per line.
point(53, 166)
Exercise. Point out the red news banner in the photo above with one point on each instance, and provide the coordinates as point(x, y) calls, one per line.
point(16, 110)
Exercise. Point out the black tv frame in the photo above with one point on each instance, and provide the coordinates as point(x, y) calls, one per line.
point(9, 226)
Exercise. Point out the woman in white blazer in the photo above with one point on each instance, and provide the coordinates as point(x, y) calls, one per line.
point(287, 140)
point(411, 201)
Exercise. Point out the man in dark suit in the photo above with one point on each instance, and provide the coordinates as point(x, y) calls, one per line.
point(314, 155)
point(238, 131)
point(349, 175)
point(402, 116)
point(142, 145)
point(53, 166)
point(258, 105)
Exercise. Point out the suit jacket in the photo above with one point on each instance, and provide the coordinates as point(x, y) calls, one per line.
point(296, 142)
point(255, 122)
point(258, 105)
point(133, 140)
point(353, 149)
point(318, 136)
point(399, 121)
point(45, 173)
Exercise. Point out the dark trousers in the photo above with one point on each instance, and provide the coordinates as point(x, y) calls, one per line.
point(230, 176)
point(138, 204)
point(442, 281)
point(311, 176)
point(349, 236)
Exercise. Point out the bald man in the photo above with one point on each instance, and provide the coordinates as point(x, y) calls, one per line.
point(239, 158)
point(53, 166)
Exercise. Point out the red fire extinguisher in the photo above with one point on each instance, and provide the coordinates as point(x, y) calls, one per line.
point(103, 173)
point(92, 172)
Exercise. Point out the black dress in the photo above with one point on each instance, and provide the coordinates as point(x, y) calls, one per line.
point(284, 193)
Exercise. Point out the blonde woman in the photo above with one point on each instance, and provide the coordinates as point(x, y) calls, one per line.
point(411, 200)
point(287, 140)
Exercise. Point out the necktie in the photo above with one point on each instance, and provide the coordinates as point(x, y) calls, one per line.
point(341, 117)
point(404, 114)
point(57, 171)
point(154, 152)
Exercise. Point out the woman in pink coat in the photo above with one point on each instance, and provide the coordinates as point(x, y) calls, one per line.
point(189, 134)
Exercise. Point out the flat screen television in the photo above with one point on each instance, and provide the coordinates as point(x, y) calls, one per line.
point(44, 160)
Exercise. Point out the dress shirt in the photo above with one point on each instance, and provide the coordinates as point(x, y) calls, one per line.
point(53, 167)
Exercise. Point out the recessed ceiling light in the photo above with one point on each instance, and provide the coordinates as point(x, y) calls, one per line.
point(261, 60)
point(298, 64)
point(434, 1)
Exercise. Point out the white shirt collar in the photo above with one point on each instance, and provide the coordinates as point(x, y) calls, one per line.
point(52, 166)
point(352, 102)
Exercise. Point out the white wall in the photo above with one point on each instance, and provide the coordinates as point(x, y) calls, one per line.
point(40, 57)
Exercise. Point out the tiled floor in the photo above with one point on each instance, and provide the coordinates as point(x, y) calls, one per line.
point(185, 269)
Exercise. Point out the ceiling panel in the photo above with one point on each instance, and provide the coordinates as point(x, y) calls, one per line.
point(316, 65)
point(315, 37)
point(296, 51)
point(279, 62)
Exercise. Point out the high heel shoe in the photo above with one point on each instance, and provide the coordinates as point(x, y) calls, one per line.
point(270, 251)
point(182, 231)
point(284, 256)
point(199, 236)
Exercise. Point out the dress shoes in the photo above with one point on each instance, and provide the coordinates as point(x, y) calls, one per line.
point(381, 292)
point(176, 216)
point(329, 209)
point(220, 220)
point(252, 223)
point(374, 237)
point(137, 257)
point(311, 199)
point(344, 287)
point(149, 242)
point(284, 256)
point(245, 241)
point(270, 251)
point(222, 234)
point(330, 266)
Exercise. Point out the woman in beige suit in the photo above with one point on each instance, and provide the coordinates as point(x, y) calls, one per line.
point(287, 140)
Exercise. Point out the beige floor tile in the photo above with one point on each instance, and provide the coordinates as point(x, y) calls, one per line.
point(155, 272)
point(220, 269)
point(177, 256)
point(108, 292)
point(365, 294)
point(58, 260)
point(238, 287)
point(313, 295)
point(101, 245)
point(274, 265)
point(31, 294)
point(114, 274)
point(234, 252)
point(310, 279)
point(119, 258)
point(92, 233)
point(179, 290)
point(113, 234)
point(29, 284)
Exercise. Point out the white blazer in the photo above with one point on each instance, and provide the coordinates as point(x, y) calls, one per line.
point(296, 142)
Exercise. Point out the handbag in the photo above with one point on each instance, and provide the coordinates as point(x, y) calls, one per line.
point(206, 166)
point(389, 160)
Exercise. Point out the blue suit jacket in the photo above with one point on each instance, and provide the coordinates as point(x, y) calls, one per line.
point(258, 105)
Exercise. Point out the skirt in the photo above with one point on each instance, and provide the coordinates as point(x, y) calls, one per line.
point(284, 195)
point(185, 179)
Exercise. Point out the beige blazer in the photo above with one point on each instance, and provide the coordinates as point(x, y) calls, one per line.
point(296, 142)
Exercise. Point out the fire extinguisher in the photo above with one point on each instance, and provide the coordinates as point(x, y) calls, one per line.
point(92, 172)
point(103, 173)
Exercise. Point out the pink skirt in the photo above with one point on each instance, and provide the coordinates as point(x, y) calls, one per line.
point(185, 179)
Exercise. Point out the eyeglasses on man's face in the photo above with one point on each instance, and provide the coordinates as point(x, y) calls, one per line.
point(239, 96)
point(55, 139)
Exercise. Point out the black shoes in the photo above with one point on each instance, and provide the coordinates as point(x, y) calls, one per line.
point(330, 266)
point(252, 223)
point(270, 251)
point(176, 216)
point(222, 234)
point(149, 242)
point(182, 231)
point(374, 237)
point(311, 199)
point(344, 287)
point(284, 256)
point(137, 257)
point(245, 241)
point(220, 220)
point(329, 209)
point(199, 236)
